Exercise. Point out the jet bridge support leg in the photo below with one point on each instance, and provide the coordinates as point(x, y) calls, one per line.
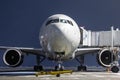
point(80, 59)
point(115, 64)
point(39, 59)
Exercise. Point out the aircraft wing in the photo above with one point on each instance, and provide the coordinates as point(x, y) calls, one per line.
point(82, 51)
point(35, 51)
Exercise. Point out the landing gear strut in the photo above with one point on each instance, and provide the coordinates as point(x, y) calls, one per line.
point(39, 59)
point(80, 59)
point(59, 67)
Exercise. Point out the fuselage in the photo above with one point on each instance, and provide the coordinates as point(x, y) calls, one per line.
point(59, 37)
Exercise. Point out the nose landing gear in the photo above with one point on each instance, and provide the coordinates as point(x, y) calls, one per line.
point(59, 67)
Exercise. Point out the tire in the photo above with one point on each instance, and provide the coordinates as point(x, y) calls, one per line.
point(38, 68)
point(115, 69)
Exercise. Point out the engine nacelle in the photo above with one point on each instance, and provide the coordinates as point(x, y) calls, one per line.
point(104, 57)
point(13, 57)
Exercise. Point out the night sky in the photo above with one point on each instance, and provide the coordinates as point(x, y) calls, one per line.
point(20, 21)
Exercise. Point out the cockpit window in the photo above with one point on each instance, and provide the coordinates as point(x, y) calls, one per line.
point(52, 21)
point(70, 22)
point(63, 21)
point(59, 20)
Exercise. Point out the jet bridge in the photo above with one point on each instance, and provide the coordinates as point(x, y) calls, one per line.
point(100, 38)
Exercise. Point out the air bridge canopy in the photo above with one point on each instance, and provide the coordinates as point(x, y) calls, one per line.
point(101, 38)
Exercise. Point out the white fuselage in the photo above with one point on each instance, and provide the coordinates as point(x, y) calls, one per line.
point(59, 35)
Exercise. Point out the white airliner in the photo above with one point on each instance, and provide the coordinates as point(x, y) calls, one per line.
point(60, 38)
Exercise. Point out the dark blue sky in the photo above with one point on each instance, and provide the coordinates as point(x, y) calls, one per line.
point(20, 20)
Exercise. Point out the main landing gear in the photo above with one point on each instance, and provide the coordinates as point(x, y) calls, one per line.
point(80, 59)
point(39, 59)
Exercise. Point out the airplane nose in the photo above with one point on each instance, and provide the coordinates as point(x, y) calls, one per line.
point(57, 38)
point(51, 38)
point(60, 37)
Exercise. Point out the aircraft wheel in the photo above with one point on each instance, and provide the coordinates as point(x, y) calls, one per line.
point(56, 68)
point(38, 68)
point(82, 68)
point(115, 69)
point(79, 68)
point(58, 75)
point(59, 68)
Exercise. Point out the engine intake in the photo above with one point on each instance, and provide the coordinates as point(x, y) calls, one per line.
point(13, 57)
point(104, 58)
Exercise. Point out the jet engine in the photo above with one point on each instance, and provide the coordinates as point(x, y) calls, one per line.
point(104, 57)
point(13, 57)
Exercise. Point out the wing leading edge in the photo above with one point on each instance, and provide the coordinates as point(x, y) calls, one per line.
point(35, 51)
point(82, 51)
point(39, 51)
